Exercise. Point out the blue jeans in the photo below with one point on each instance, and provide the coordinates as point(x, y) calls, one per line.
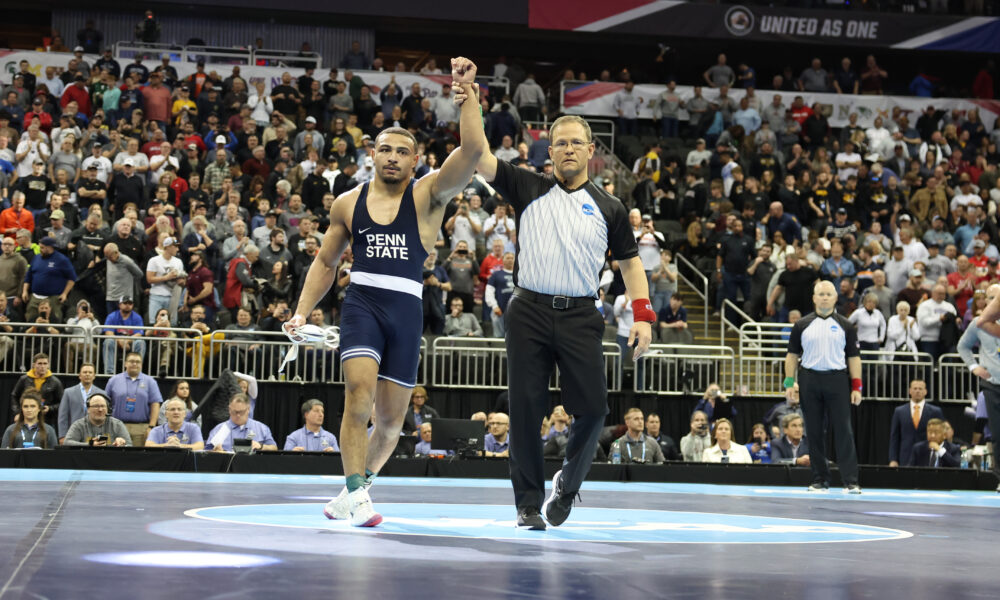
point(660, 300)
point(669, 127)
point(499, 326)
point(112, 356)
point(155, 304)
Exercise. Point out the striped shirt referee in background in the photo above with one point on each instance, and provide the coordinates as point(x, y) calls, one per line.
point(566, 227)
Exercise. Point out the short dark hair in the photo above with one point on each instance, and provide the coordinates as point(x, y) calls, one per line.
point(308, 405)
point(399, 131)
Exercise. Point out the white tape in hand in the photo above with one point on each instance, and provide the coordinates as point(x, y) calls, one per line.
point(309, 334)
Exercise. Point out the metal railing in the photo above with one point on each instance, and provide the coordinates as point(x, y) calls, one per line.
point(756, 369)
point(482, 363)
point(725, 325)
point(128, 50)
point(698, 276)
point(677, 369)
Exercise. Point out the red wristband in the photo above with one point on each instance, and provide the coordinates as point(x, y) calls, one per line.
point(642, 310)
point(856, 385)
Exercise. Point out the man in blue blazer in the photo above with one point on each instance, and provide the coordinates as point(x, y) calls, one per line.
point(935, 451)
point(903, 434)
point(74, 399)
point(791, 448)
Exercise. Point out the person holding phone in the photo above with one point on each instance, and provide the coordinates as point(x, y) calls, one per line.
point(97, 428)
point(693, 444)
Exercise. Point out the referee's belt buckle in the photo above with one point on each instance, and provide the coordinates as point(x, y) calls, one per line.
point(560, 302)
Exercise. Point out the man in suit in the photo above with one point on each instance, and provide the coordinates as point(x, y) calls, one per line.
point(419, 412)
point(791, 447)
point(909, 424)
point(936, 451)
point(73, 406)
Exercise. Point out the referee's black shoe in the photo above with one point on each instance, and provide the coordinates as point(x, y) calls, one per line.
point(529, 518)
point(558, 504)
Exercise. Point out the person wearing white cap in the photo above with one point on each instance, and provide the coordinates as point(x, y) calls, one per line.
point(367, 171)
point(139, 160)
point(310, 129)
point(165, 274)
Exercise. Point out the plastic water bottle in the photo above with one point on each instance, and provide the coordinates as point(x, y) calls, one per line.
point(965, 460)
point(616, 454)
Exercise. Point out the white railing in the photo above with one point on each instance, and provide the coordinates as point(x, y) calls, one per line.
point(482, 363)
point(956, 383)
point(677, 369)
point(128, 50)
point(698, 278)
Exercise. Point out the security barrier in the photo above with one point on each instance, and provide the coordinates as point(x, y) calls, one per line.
point(482, 363)
point(675, 369)
point(756, 369)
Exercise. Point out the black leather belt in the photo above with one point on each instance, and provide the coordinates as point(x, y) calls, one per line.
point(556, 302)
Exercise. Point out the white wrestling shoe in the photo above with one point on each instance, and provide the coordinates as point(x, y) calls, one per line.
point(362, 512)
point(339, 507)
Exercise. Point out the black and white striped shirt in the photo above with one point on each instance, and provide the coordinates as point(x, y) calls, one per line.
point(563, 235)
point(824, 343)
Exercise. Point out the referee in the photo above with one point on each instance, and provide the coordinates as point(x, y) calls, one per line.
point(827, 345)
point(565, 227)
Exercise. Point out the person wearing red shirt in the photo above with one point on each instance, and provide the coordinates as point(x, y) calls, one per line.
point(16, 217)
point(493, 261)
point(36, 112)
point(962, 283)
point(800, 112)
point(77, 92)
point(156, 99)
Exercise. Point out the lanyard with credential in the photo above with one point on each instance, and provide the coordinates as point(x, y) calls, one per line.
point(24, 440)
point(628, 448)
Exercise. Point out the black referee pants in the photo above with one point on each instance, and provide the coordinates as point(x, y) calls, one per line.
point(538, 338)
point(826, 398)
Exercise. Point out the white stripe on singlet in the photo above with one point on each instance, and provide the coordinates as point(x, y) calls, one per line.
point(388, 282)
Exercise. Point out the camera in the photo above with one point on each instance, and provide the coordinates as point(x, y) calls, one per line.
point(461, 252)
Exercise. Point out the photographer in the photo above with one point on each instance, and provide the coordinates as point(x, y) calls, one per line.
point(78, 347)
point(97, 428)
point(759, 446)
point(463, 273)
point(715, 404)
point(694, 443)
point(635, 446)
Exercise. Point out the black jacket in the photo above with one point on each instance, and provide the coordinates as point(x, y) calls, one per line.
point(426, 413)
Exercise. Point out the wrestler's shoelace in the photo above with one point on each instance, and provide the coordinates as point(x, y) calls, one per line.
point(329, 337)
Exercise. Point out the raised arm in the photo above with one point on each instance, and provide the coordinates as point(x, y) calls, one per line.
point(487, 165)
point(460, 166)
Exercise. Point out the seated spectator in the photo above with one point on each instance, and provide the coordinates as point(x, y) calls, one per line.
point(43, 322)
point(497, 442)
point(29, 430)
point(667, 445)
point(715, 404)
point(635, 446)
point(418, 411)
point(182, 392)
point(209, 343)
point(240, 427)
point(936, 451)
point(775, 415)
point(39, 377)
point(312, 437)
point(423, 447)
point(724, 450)
point(558, 423)
point(791, 447)
point(98, 428)
point(120, 338)
point(673, 322)
point(759, 445)
point(461, 324)
point(697, 440)
point(177, 431)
